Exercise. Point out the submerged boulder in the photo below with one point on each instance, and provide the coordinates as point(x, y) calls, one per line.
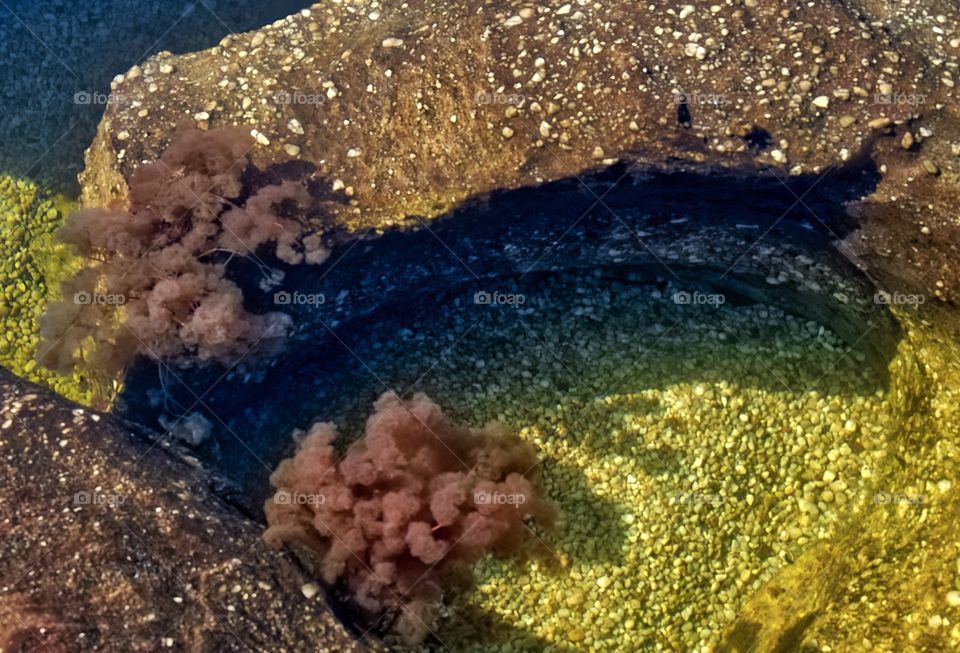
point(412, 108)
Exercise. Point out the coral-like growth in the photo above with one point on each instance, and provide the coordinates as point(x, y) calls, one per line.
point(414, 502)
point(157, 285)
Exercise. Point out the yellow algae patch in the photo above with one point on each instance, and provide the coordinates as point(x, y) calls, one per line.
point(33, 265)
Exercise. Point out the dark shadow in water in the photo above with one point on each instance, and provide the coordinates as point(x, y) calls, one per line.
point(491, 629)
point(58, 67)
point(686, 229)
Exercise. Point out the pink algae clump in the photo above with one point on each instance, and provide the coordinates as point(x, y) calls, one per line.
point(413, 503)
point(156, 281)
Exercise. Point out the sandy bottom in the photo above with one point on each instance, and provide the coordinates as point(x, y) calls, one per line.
point(694, 450)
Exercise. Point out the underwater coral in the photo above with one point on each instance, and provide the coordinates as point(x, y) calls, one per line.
point(157, 281)
point(408, 507)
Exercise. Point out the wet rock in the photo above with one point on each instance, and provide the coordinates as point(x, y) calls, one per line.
point(387, 84)
point(111, 542)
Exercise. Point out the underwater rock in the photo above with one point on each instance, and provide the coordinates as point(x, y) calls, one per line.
point(415, 108)
point(111, 543)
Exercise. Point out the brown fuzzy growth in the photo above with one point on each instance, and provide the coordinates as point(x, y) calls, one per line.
point(156, 284)
point(415, 501)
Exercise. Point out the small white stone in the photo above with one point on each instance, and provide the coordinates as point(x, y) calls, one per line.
point(821, 102)
point(310, 590)
point(392, 42)
point(953, 598)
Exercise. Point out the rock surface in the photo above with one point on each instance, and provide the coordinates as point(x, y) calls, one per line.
point(411, 108)
point(111, 543)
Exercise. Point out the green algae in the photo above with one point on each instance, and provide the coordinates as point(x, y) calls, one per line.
point(34, 265)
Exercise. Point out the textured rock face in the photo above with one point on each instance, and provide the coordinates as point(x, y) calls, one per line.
point(412, 107)
point(111, 543)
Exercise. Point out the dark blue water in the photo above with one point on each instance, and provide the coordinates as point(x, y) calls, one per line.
point(54, 50)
